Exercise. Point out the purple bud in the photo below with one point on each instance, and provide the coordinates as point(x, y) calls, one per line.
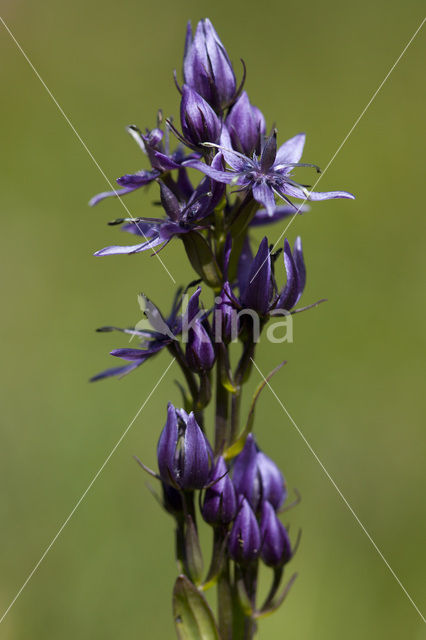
point(183, 452)
point(245, 540)
point(225, 315)
point(272, 481)
point(257, 477)
point(245, 475)
point(206, 66)
point(199, 121)
point(296, 275)
point(200, 353)
point(276, 547)
point(258, 290)
point(220, 502)
point(246, 126)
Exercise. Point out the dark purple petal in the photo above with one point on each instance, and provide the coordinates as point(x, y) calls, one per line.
point(226, 177)
point(116, 371)
point(166, 163)
point(166, 447)
point(276, 548)
point(116, 249)
point(207, 67)
point(136, 354)
point(198, 120)
point(291, 292)
point(300, 263)
point(220, 501)
point(144, 229)
point(234, 159)
point(262, 217)
point(246, 125)
point(108, 194)
point(245, 475)
point(257, 293)
point(200, 353)
point(273, 485)
point(169, 201)
point(245, 540)
point(269, 152)
point(291, 151)
point(196, 457)
point(263, 194)
point(244, 265)
point(140, 178)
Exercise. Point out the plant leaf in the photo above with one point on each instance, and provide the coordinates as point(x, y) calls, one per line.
point(202, 259)
point(193, 617)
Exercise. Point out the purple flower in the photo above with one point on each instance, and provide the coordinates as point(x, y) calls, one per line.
point(268, 175)
point(246, 126)
point(220, 501)
point(153, 145)
point(163, 333)
point(200, 352)
point(256, 281)
point(182, 217)
point(244, 540)
point(206, 66)
point(262, 217)
point(257, 477)
point(225, 323)
point(276, 547)
point(184, 454)
point(198, 120)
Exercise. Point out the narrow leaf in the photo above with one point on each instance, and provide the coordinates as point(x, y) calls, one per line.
point(194, 557)
point(278, 601)
point(202, 259)
point(193, 617)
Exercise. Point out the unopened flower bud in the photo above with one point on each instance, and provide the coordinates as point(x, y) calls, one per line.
point(257, 477)
point(276, 547)
point(220, 502)
point(206, 66)
point(183, 452)
point(246, 126)
point(200, 353)
point(198, 120)
point(244, 541)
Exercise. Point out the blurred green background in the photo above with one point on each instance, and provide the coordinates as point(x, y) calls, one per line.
point(354, 382)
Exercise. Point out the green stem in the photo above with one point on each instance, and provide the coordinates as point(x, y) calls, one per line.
point(224, 604)
point(222, 407)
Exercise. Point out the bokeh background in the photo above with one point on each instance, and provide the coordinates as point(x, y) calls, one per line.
point(354, 382)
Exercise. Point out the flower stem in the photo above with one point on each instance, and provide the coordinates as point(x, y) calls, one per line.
point(222, 407)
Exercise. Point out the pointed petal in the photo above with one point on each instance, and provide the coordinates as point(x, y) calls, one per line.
point(136, 354)
point(291, 150)
point(227, 177)
point(290, 294)
point(265, 196)
point(262, 216)
point(258, 288)
point(244, 264)
point(108, 194)
point(136, 248)
point(330, 195)
point(140, 178)
point(196, 457)
point(300, 263)
point(115, 371)
point(166, 447)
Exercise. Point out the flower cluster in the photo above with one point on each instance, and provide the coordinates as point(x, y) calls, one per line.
point(245, 181)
